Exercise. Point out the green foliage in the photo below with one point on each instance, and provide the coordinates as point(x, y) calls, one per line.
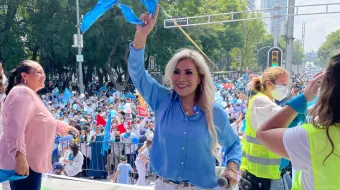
point(329, 48)
point(299, 55)
point(43, 30)
point(253, 37)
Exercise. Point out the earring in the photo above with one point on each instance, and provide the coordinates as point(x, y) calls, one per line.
point(201, 87)
point(25, 81)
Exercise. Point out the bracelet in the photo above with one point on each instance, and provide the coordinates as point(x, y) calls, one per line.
point(299, 104)
point(137, 46)
point(232, 170)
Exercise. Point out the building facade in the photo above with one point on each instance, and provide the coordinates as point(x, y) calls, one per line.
point(264, 4)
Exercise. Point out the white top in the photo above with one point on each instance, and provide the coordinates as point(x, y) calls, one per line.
point(85, 149)
point(235, 127)
point(149, 135)
point(129, 147)
point(263, 108)
point(74, 168)
point(145, 153)
point(136, 129)
point(296, 143)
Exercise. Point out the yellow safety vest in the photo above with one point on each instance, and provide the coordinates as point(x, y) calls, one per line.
point(326, 174)
point(256, 158)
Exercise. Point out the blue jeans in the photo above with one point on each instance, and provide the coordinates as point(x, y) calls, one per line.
point(288, 179)
point(279, 184)
point(32, 182)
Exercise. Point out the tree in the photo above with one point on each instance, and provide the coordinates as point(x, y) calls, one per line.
point(299, 55)
point(11, 51)
point(42, 30)
point(329, 48)
point(253, 34)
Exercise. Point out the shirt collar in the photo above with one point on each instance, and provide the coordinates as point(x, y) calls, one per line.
point(176, 97)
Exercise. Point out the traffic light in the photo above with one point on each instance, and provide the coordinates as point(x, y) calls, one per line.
point(274, 57)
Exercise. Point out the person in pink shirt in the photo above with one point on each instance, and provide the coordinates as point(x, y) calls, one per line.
point(29, 128)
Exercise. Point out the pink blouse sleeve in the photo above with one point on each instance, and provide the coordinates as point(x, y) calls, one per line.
point(62, 128)
point(20, 110)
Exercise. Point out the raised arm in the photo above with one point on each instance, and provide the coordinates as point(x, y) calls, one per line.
point(149, 88)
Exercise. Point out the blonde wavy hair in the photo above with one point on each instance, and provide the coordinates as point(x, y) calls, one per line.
point(205, 96)
point(270, 74)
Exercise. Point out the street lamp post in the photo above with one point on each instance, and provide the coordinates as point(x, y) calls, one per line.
point(258, 51)
point(80, 58)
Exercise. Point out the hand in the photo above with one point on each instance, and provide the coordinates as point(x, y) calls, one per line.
point(74, 130)
point(231, 176)
point(21, 165)
point(240, 118)
point(149, 23)
point(311, 90)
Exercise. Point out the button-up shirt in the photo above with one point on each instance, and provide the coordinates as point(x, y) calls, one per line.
point(181, 148)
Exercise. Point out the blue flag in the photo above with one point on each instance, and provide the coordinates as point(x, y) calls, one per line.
point(150, 5)
point(9, 175)
point(55, 91)
point(107, 133)
point(130, 95)
point(67, 95)
point(102, 89)
point(101, 7)
point(104, 5)
point(129, 15)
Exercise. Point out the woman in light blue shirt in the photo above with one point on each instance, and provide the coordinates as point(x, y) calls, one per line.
point(188, 123)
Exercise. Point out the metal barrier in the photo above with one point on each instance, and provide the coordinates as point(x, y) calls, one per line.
point(101, 164)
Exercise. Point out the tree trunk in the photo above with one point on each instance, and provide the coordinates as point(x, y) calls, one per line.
point(107, 65)
point(100, 78)
point(146, 62)
point(35, 52)
point(88, 76)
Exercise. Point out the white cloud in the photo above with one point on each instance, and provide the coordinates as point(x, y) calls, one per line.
point(317, 26)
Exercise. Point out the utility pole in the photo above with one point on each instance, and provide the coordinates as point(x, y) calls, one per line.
point(302, 43)
point(276, 24)
point(290, 37)
point(303, 35)
point(80, 57)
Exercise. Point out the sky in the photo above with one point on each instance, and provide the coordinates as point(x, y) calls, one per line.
point(317, 26)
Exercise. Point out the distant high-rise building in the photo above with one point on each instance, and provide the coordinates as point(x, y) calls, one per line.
point(264, 4)
point(267, 21)
point(251, 4)
point(311, 56)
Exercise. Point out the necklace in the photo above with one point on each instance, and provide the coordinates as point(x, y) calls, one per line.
point(186, 111)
